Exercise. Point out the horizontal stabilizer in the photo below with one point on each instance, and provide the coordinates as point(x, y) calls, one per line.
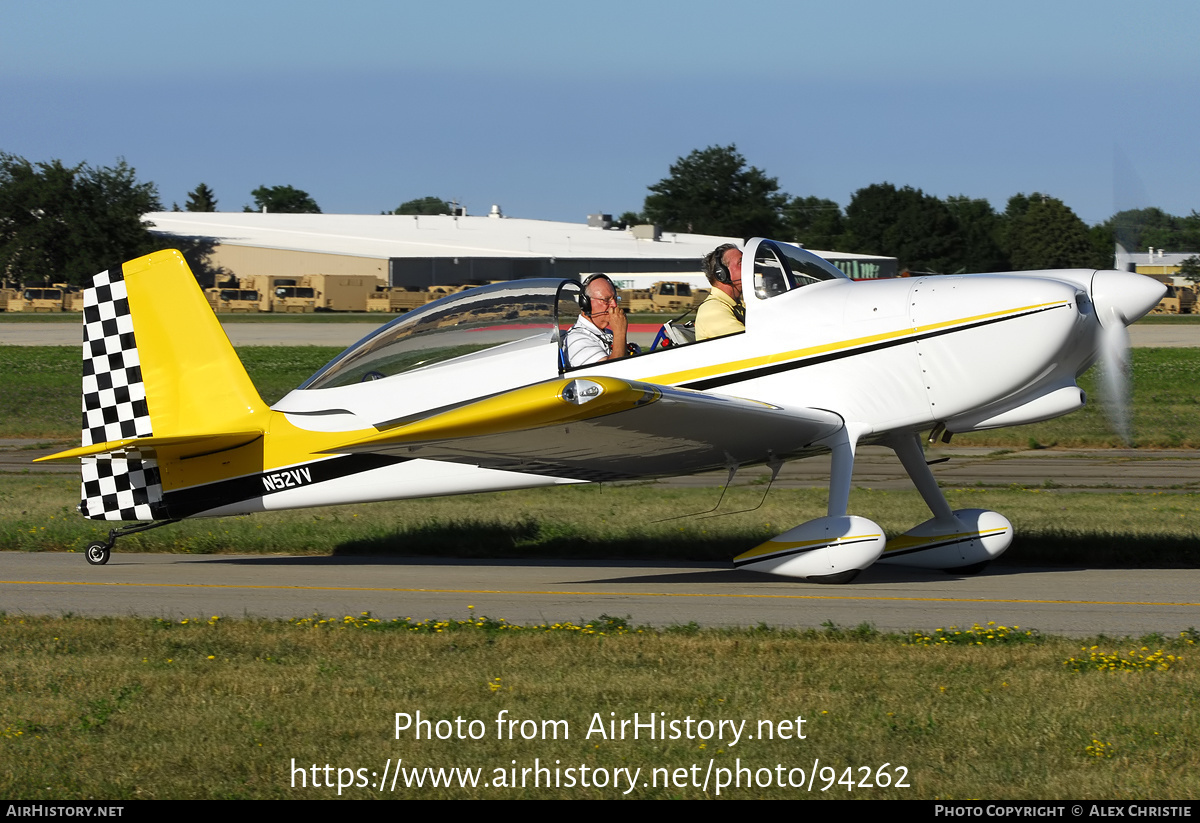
point(146, 446)
point(603, 428)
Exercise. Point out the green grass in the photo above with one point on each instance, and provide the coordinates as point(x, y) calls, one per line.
point(1165, 410)
point(129, 708)
point(1157, 530)
point(1170, 319)
point(41, 397)
point(48, 317)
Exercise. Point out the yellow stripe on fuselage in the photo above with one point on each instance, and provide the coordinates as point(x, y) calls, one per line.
point(909, 542)
point(688, 375)
point(776, 546)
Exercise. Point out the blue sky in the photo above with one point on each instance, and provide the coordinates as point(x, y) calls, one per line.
point(555, 110)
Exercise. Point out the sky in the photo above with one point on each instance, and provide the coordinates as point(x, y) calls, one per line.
point(555, 110)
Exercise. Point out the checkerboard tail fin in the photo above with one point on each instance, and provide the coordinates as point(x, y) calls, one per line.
point(157, 370)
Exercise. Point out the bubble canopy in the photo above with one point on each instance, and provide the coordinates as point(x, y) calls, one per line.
point(454, 326)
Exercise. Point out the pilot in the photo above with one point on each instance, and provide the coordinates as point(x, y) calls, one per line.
point(722, 312)
point(599, 333)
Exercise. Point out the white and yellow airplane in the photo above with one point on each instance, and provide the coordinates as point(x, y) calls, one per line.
point(470, 394)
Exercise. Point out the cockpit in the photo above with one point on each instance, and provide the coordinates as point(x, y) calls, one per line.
point(520, 316)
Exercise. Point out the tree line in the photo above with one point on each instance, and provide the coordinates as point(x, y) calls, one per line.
point(59, 222)
point(714, 191)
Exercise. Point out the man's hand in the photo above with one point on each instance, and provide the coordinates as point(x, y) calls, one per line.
point(619, 324)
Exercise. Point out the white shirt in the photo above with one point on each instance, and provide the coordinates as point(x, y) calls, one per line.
point(586, 343)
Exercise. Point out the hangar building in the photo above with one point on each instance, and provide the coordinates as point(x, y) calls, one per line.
point(427, 250)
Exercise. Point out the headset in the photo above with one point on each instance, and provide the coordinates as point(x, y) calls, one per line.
point(585, 300)
point(720, 272)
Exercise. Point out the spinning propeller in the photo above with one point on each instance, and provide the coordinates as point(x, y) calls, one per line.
point(1118, 297)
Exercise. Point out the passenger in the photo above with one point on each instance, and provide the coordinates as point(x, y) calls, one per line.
point(722, 312)
point(599, 333)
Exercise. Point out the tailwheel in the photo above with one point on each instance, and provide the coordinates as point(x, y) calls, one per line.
point(98, 553)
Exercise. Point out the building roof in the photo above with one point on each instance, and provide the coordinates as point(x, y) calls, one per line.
point(1155, 257)
point(386, 236)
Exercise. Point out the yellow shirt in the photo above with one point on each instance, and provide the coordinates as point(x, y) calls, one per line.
point(715, 317)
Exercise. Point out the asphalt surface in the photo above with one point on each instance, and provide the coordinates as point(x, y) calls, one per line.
point(1068, 601)
point(1072, 602)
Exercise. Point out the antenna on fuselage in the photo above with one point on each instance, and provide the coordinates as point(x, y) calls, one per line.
point(729, 479)
point(775, 465)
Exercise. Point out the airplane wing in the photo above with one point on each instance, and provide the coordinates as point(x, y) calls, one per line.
point(603, 428)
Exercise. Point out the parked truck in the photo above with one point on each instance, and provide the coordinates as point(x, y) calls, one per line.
point(1177, 300)
point(46, 299)
point(341, 292)
point(230, 300)
point(397, 299)
point(283, 295)
point(668, 296)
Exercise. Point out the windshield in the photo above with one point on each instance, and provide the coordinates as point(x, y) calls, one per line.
point(239, 294)
point(454, 326)
point(781, 267)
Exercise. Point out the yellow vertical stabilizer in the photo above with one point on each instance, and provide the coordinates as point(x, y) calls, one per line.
point(195, 384)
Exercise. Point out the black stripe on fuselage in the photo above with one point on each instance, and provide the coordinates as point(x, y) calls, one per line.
point(778, 368)
point(954, 541)
point(182, 503)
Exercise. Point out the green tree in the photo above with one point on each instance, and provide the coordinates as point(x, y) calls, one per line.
point(1041, 232)
point(916, 228)
point(814, 222)
point(201, 198)
point(1142, 229)
point(1104, 245)
point(283, 200)
point(979, 228)
point(64, 223)
point(711, 191)
point(1190, 269)
point(424, 205)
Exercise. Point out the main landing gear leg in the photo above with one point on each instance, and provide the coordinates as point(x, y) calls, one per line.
point(98, 552)
point(957, 542)
point(830, 549)
point(912, 457)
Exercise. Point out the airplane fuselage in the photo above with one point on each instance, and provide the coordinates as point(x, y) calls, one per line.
point(903, 354)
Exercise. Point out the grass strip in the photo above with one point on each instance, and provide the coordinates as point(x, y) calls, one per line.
point(42, 387)
point(134, 708)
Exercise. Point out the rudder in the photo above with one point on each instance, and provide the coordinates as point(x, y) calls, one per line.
point(157, 367)
point(114, 408)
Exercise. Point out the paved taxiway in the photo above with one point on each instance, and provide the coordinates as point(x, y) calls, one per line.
point(1074, 602)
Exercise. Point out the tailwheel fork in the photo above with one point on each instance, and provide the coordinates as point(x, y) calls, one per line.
point(98, 551)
